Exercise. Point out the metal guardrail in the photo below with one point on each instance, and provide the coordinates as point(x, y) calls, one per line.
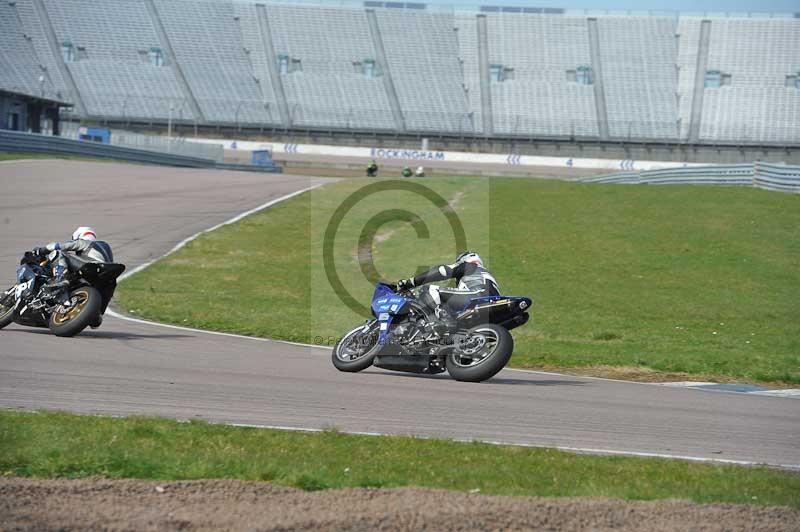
point(768, 176)
point(175, 146)
point(247, 167)
point(15, 141)
point(782, 178)
point(139, 141)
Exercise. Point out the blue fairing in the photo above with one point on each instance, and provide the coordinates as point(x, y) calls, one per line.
point(386, 303)
point(25, 273)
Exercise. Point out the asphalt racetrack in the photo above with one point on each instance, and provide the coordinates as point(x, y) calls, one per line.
point(127, 367)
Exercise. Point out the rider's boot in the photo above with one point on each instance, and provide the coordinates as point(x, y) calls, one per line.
point(445, 318)
point(57, 282)
point(97, 323)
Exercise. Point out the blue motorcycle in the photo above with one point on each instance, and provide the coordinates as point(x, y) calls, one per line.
point(407, 335)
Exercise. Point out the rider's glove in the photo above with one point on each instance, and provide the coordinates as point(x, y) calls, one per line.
point(405, 284)
point(41, 251)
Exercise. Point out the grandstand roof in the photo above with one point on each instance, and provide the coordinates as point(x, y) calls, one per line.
point(33, 97)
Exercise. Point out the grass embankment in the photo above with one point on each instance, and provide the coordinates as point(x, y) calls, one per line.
point(57, 444)
point(683, 280)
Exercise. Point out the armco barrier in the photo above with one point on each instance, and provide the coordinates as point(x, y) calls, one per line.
point(14, 141)
point(762, 175)
point(622, 177)
point(139, 141)
point(248, 167)
point(777, 177)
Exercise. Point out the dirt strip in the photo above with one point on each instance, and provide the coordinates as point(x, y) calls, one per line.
point(93, 504)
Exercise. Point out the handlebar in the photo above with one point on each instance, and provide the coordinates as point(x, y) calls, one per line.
point(32, 257)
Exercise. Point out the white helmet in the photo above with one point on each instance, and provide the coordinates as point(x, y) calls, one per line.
point(84, 233)
point(469, 256)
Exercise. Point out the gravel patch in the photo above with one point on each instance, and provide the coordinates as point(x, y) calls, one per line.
point(93, 504)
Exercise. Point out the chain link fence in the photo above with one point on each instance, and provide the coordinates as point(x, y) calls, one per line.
point(171, 145)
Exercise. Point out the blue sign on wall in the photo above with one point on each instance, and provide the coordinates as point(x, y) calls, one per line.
point(95, 134)
point(262, 158)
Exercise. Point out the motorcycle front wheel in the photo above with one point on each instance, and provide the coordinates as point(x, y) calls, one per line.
point(482, 355)
point(356, 350)
point(7, 307)
point(86, 304)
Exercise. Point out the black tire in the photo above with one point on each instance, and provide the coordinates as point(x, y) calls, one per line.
point(343, 362)
point(91, 303)
point(6, 313)
point(463, 367)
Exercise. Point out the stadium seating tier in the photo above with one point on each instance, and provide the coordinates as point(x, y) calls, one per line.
point(272, 64)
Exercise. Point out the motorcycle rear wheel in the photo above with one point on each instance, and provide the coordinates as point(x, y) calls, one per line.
point(352, 359)
point(86, 306)
point(483, 358)
point(6, 312)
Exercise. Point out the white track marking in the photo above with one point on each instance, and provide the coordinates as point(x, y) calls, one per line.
point(117, 315)
point(275, 201)
point(584, 450)
point(581, 450)
point(183, 243)
point(688, 384)
point(691, 385)
point(793, 392)
point(235, 219)
point(577, 450)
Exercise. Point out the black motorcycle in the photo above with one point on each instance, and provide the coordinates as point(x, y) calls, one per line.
point(66, 311)
point(407, 335)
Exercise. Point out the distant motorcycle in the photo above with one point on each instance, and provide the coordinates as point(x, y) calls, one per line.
point(405, 335)
point(66, 311)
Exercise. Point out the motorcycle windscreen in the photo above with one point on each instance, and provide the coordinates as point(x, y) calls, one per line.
point(386, 300)
point(25, 273)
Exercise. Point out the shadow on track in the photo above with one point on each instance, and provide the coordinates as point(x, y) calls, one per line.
point(494, 380)
point(553, 382)
point(113, 335)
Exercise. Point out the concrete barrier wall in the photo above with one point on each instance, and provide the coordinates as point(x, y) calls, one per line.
point(418, 157)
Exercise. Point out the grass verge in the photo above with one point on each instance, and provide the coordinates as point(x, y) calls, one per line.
point(13, 156)
point(683, 280)
point(55, 444)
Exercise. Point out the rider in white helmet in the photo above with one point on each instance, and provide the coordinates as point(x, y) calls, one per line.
point(85, 245)
point(473, 281)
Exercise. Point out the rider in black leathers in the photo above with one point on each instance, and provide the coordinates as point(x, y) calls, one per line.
point(473, 281)
point(84, 244)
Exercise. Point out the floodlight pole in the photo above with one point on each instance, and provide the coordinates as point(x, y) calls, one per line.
point(169, 121)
